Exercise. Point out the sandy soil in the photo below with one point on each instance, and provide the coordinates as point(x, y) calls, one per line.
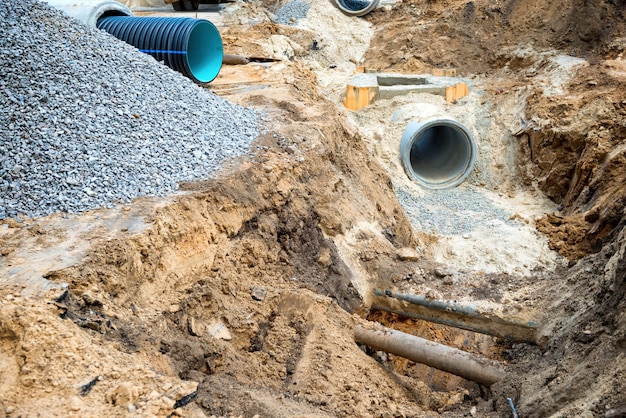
point(238, 296)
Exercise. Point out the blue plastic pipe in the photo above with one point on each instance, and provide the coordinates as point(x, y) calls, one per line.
point(192, 47)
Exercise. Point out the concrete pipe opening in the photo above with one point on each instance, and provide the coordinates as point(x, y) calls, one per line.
point(356, 7)
point(89, 12)
point(437, 153)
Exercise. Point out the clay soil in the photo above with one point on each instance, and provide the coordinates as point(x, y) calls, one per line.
point(238, 295)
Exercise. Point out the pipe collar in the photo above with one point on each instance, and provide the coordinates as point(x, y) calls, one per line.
point(437, 153)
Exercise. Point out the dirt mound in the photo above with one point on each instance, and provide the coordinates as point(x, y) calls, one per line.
point(480, 36)
point(577, 157)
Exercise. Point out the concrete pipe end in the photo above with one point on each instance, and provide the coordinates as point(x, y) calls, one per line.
point(356, 7)
point(437, 153)
point(90, 12)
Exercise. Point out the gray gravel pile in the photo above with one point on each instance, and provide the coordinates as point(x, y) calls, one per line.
point(291, 12)
point(452, 211)
point(88, 121)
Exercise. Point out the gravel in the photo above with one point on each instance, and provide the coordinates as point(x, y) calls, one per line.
point(88, 121)
point(291, 12)
point(451, 212)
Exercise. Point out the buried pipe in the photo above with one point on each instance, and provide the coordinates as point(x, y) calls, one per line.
point(356, 7)
point(192, 47)
point(437, 153)
point(463, 316)
point(430, 353)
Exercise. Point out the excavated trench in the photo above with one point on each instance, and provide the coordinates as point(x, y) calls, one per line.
point(237, 286)
point(221, 323)
point(240, 285)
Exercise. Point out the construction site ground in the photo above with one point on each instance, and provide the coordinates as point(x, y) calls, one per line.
point(238, 296)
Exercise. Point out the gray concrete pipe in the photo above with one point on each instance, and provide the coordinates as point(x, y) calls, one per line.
point(356, 7)
point(89, 12)
point(192, 47)
point(437, 153)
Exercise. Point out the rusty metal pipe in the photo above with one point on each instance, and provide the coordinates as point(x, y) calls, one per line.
point(464, 316)
point(430, 353)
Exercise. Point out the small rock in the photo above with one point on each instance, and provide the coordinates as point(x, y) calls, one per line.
point(219, 331)
point(443, 272)
point(183, 389)
point(325, 258)
point(195, 327)
point(75, 403)
point(89, 299)
point(153, 395)
point(258, 293)
point(407, 254)
point(174, 308)
point(167, 402)
point(123, 394)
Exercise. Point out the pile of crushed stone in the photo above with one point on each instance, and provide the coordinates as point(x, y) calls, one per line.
point(292, 12)
point(89, 121)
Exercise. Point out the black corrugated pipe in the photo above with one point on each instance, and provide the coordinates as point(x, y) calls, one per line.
point(192, 47)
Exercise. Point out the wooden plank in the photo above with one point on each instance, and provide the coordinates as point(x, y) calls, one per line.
point(359, 97)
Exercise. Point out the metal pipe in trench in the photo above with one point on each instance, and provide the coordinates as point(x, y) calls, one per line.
point(192, 47)
point(430, 353)
point(437, 153)
point(456, 315)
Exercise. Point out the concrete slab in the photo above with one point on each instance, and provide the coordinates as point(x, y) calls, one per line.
point(366, 87)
